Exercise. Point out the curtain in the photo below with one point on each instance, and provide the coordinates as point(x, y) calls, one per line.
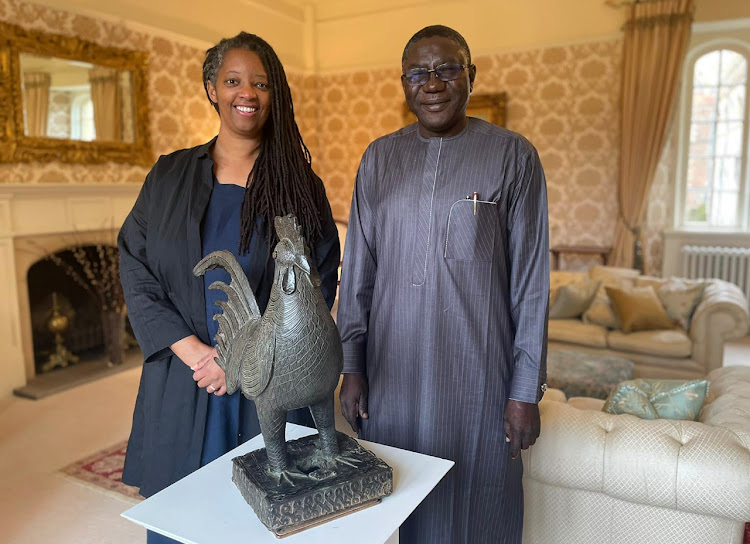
point(656, 39)
point(105, 96)
point(36, 102)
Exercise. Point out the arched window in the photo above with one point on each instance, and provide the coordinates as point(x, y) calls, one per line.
point(713, 184)
point(82, 118)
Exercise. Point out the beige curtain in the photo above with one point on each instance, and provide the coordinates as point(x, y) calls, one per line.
point(105, 96)
point(656, 39)
point(36, 102)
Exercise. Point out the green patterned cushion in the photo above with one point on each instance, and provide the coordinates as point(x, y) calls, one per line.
point(658, 399)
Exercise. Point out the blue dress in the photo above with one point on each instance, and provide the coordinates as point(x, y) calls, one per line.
point(226, 428)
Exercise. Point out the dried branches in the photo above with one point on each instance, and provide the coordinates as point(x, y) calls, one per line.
point(95, 268)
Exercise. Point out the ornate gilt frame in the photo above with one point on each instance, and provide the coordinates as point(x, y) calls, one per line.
point(15, 146)
point(490, 107)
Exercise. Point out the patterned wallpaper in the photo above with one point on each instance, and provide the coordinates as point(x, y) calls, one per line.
point(563, 99)
point(58, 115)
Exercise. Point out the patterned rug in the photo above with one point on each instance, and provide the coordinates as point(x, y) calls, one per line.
point(103, 472)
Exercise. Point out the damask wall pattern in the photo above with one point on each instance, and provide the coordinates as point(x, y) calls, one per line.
point(180, 114)
point(565, 100)
point(58, 115)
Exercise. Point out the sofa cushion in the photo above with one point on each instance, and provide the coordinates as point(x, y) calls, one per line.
point(601, 313)
point(639, 309)
point(680, 300)
point(650, 281)
point(665, 343)
point(576, 332)
point(573, 299)
point(558, 278)
point(612, 276)
point(586, 403)
point(658, 399)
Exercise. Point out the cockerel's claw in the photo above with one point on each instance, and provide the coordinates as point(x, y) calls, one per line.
point(349, 460)
point(287, 477)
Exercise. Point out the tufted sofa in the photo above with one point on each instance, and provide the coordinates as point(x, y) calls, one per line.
point(596, 478)
point(721, 315)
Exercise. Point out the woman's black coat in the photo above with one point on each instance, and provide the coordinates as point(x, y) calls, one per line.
point(160, 243)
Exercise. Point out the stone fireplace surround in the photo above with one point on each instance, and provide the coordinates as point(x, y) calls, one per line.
point(36, 220)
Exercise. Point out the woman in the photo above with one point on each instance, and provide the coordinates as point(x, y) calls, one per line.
point(220, 195)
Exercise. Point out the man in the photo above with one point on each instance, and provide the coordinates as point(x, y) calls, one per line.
point(443, 298)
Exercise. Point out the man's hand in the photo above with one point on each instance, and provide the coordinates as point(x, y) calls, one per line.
point(353, 397)
point(522, 425)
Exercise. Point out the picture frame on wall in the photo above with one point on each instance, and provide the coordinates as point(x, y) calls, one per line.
point(490, 107)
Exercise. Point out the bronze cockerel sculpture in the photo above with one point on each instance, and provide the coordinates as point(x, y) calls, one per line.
point(290, 357)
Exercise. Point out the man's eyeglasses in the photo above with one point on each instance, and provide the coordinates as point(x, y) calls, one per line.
point(444, 72)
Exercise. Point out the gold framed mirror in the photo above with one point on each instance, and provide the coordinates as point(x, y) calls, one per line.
point(70, 100)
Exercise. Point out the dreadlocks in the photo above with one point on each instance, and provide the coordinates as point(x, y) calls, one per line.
point(282, 180)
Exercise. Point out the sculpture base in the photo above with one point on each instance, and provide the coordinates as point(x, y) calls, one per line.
point(317, 490)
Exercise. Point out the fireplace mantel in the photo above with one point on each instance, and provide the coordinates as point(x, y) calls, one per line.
point(48, 216)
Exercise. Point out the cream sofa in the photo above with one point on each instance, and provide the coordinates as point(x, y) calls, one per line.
point(596, 478)
point(721, 315)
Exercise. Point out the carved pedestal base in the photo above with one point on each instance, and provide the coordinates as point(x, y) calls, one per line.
point(316, 490)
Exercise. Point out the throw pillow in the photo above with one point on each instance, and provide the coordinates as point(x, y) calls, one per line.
point(639, 309)
point(650, 281)
point(612, 276)
point(602, 313)
point(658, 399)
point(680, 299)
point(558, 278)
point(573, 299)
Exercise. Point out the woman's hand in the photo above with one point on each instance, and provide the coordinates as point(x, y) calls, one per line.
point(200, 358)
point(209, 374)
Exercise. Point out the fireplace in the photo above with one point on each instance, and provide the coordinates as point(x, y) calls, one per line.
point(70, 294)
point(36, 220)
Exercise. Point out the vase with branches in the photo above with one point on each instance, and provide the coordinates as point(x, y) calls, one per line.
point(96, 269)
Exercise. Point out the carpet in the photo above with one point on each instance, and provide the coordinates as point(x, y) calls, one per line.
point(103, 471)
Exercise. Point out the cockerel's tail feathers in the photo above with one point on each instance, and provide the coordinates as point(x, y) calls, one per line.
point(239, 313)
point(240, 294)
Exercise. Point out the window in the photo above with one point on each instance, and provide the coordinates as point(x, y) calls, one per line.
point(82, 118)
point(714, 143)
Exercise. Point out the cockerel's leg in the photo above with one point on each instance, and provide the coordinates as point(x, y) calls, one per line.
point(322, 413)
point(272, 425)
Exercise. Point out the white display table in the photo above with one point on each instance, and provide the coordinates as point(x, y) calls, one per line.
point(205, 507)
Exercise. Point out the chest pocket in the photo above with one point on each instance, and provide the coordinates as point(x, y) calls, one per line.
point(470, 236)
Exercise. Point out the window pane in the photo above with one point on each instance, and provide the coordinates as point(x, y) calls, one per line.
point(732, 103)
point(704, 103)
point(700, 149)
point(707, 70)
point(727, 174)
point(695, 206)
point(733, 68)
point(724, 209)
point(698, 172)
point(701, 132)
point(729, 139)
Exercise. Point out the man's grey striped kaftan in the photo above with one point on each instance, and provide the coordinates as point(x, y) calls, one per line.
point(445, 309)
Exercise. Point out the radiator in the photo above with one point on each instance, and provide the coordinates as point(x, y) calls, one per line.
point(726, 263)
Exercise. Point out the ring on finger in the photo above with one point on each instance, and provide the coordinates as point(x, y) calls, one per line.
point(212, 388)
